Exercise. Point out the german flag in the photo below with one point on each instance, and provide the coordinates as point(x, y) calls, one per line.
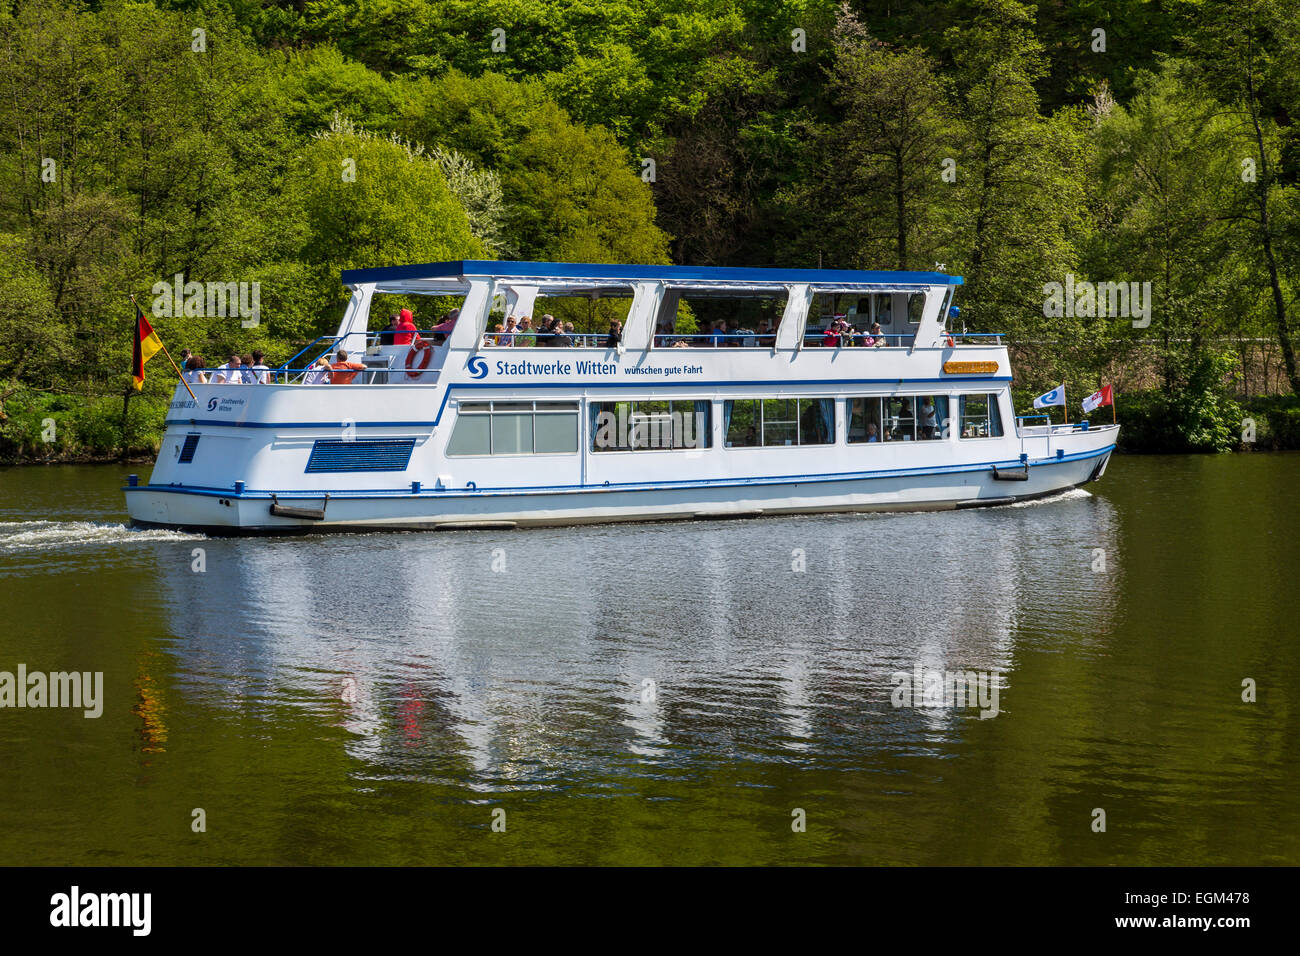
point(147, 345)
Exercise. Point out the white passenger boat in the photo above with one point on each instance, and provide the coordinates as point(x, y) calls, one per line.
point(464, 428)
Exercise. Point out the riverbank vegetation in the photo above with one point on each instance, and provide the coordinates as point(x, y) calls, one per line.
point(1090, 145)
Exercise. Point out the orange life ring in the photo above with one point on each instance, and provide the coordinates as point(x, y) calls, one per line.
point(949, 342)
point(425, 351)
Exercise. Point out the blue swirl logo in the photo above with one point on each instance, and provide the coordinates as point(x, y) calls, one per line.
point(477, 367)
point(212, 404)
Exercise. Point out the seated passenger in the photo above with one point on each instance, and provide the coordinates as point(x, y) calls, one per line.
point(388, 335)
point(877, 335)
point(246, 370)
point(615, 335)
point(497, 337)
point(766, 339)
point(261, 374)
point(717, 335)
point(194, 371)
point(871, 432)
point(546, 331)
point(319, 373)
point(560, 339)
point(229, 374)
point(508, 339)
point(831, 338)
point(526, 338)
point(342, 372)
point(405, 331)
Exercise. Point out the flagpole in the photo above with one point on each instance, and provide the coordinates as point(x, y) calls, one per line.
point(179, 373)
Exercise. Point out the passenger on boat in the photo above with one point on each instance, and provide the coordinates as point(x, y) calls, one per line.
point(927, 421)
point(878, 337)
point(388, 334)
point(560, 339)
point(319, 373)
point(766, 339)
point(526, 338)
point(261, 373)
point(831, 338)
point(194, 371)
point(497, 337)
point(848, 334)
point(546, 331)
point(404, 334)
point(717, 335)
point(511, 328)
point(871, 432)
point(342, 372)
point(229, 374)
point(615, 334)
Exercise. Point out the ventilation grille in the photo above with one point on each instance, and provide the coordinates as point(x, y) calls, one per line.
point(383, 455)
point(187, 450)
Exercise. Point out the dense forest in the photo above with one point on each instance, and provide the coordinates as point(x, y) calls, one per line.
point(1016, 144)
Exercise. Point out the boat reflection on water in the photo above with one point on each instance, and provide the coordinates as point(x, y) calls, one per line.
point(575, 657)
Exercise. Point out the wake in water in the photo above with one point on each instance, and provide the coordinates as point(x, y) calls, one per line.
point(1070, 494)
point(44, 535)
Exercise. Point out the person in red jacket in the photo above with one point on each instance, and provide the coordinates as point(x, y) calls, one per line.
point(405, 333)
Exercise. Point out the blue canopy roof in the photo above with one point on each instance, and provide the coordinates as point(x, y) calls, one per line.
point(466, 268)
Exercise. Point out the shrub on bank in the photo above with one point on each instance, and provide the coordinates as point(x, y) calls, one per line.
point(1277, 422)
point(38, 426)
point(1182, 421)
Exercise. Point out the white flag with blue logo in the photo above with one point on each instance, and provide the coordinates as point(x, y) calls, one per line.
point(1055, 397)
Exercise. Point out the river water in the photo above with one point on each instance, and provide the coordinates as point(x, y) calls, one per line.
point(672, 693)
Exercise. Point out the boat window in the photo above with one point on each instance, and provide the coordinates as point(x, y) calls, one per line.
point(980, 416)
point(655, 425)
point(915, 307)
point(515, 428)
point(900, 417)
point(864, 421)
point(778, 421)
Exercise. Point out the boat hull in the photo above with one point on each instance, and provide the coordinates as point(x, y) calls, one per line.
point(218, 512)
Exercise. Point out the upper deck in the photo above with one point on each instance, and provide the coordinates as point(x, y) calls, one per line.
point(896, 313)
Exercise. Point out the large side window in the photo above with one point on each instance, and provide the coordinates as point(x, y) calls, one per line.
point(900, 417)
point(931, 413)
point(980, 416)
point(515, 428)
point(864, 421)
point(770, 422)
point(650, 426)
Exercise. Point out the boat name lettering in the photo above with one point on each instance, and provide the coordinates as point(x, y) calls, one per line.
point(969, 368)
point(555, 368)
point(224, 404)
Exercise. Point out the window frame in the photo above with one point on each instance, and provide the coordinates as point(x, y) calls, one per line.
point(513, 406)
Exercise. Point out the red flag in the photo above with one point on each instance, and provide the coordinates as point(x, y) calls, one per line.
point(1098, 398)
